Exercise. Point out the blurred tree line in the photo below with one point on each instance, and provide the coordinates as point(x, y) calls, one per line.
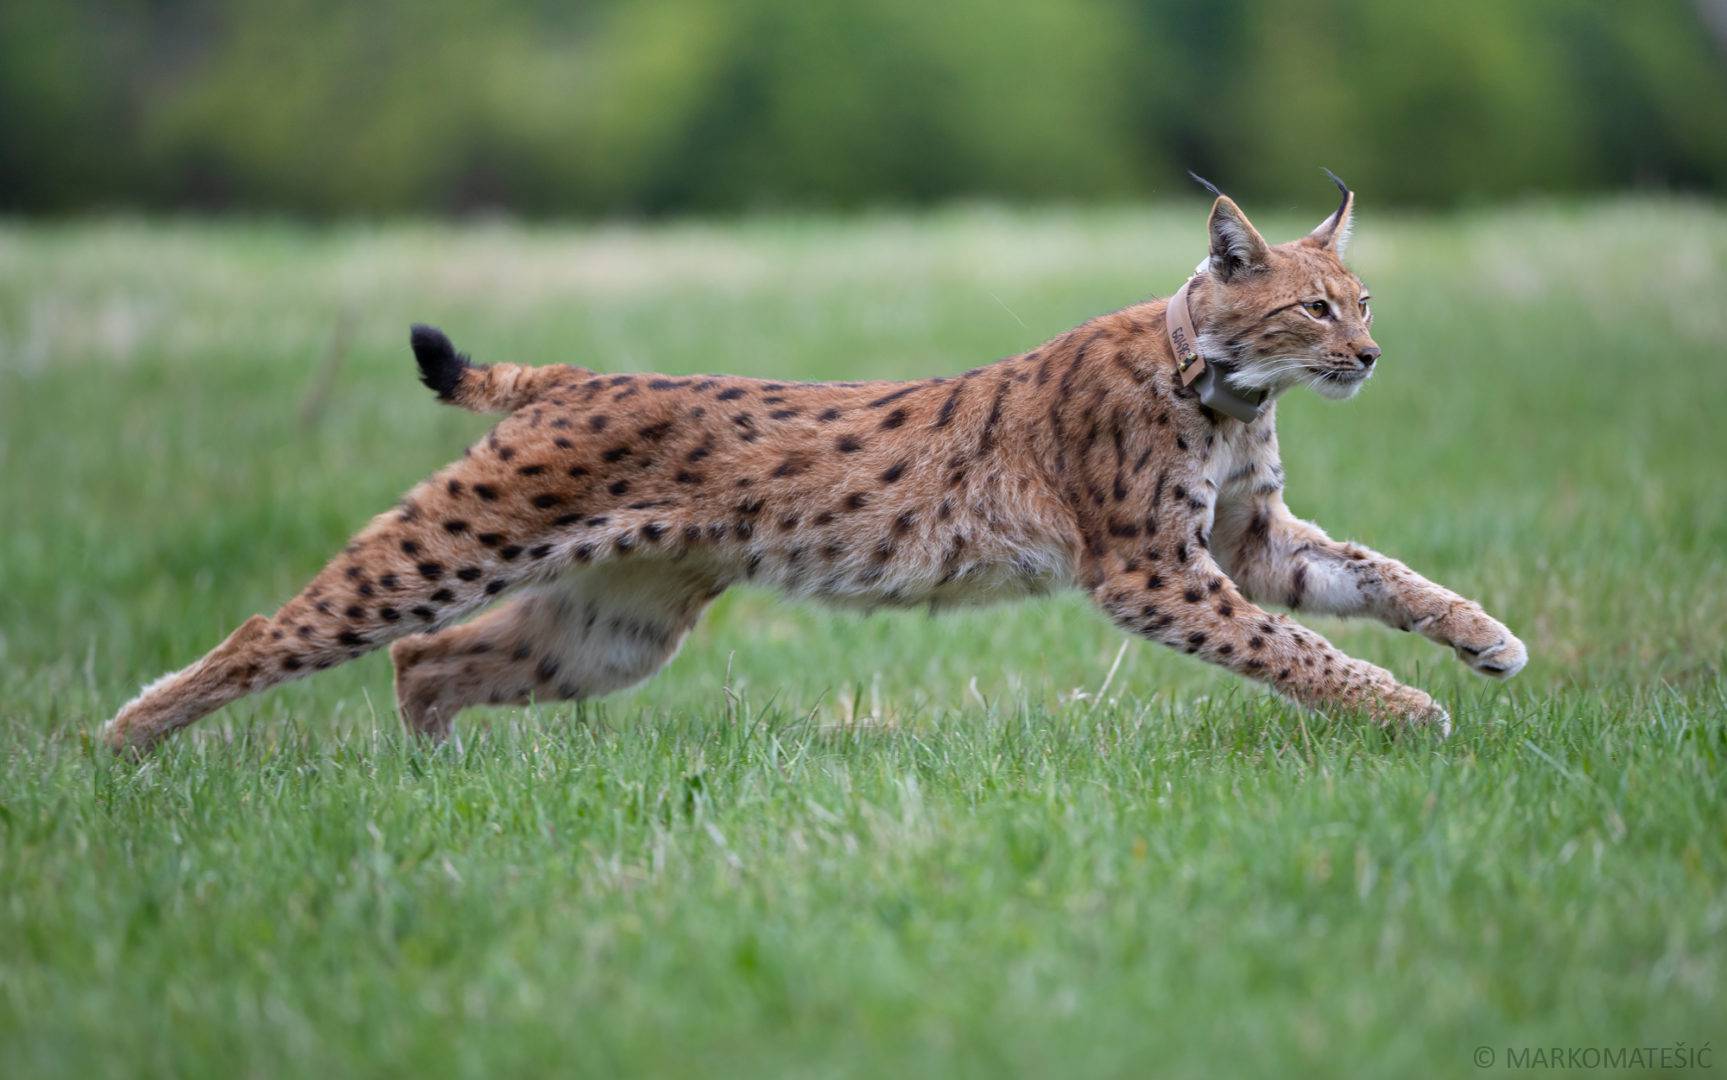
point(651, 106)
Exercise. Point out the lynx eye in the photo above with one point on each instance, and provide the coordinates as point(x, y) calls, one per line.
point(1319, 309)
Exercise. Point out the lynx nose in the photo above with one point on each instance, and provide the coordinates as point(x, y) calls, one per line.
point(1368, 355)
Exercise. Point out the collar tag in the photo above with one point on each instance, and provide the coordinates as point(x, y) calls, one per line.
point(1206, 377)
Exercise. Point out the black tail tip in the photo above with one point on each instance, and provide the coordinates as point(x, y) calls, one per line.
point(441, 366)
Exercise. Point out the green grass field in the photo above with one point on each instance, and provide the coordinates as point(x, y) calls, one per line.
point(830, 845)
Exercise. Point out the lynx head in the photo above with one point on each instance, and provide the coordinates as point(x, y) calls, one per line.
point(1284, 315)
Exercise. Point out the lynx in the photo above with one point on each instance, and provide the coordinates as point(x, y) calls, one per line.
point(604, 513)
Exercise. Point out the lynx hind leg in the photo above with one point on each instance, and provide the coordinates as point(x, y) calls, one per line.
point(339, 617)
point(418, 567)
point(591, 632)
point(236, 667)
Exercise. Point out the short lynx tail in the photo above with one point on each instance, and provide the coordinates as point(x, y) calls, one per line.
point(482, 388)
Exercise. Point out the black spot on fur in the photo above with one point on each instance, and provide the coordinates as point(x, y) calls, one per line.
point(945, 417)
point(887, 399)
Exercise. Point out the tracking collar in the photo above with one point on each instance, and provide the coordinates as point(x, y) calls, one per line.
point(1206, 377)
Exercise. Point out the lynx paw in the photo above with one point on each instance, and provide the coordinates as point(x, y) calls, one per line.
point(1414, 708)
point(1480, 641)
point(1500, 660)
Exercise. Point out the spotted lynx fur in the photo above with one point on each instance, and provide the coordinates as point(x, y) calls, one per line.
point(605, 512)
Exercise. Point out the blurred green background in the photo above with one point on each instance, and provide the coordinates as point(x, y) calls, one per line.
point(649, 107)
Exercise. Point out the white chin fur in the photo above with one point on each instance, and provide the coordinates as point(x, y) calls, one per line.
point(1277, 374)
point(1337, 391)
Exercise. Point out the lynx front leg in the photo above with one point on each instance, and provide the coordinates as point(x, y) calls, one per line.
point(1278, 558)
point(1192, 606)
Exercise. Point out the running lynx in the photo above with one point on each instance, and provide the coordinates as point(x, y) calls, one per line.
point(605, 512)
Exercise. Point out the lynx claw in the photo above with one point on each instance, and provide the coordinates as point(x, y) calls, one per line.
point(1479, 640)
point(1500, 660)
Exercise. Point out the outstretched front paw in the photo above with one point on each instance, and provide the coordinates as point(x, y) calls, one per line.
point(1502, 659)
point(1479, 640)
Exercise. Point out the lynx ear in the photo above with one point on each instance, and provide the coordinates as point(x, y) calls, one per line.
point(1236, 246)
point(1333, 232)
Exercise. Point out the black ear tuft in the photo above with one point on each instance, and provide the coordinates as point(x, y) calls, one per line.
point(1204, 183)
point(441, 366)
point(1333, 232)
point(1341, 186)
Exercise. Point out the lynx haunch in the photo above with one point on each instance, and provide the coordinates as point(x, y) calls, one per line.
point(605, 512)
